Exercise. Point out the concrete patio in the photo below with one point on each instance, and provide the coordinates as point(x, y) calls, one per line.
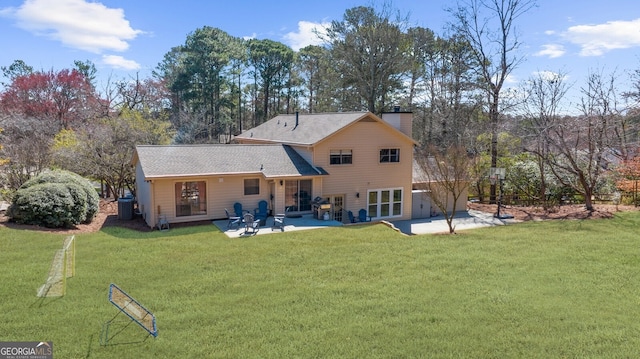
point(463, 220)
point(304, 222)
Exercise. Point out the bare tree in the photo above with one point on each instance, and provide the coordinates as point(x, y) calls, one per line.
point(489, 28)
point(542, 109)
point(583, 145)
point(26, 148)
point(104, 151)
point(633, 95)
point(445, 176)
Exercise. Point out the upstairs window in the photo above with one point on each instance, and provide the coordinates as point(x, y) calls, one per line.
point(340, 157)
point(389, 155)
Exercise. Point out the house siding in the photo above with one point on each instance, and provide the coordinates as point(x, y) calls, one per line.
point(143, 195)
point(365, 139)
point(222, 193)
point(461, 204)
point(364, 135)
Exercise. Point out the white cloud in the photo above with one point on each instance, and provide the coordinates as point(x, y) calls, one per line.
point(551, 50)
point(307, 35)
point(595, 40)
point(250, 37)
point(511, 79)
point(89, 26)
point(119, 62)
point(549, 76)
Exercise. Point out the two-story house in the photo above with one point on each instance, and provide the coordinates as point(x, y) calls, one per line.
point(352, 160)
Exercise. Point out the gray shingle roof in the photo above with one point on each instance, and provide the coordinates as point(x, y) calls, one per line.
point(311, 128)
point(199, 160)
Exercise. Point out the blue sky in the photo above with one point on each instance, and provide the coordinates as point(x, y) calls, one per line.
point(125, 37)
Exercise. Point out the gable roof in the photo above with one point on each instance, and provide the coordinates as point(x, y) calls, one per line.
point(211, 160)
point(308, 129)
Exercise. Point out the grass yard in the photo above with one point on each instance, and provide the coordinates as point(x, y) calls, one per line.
point(536, 290)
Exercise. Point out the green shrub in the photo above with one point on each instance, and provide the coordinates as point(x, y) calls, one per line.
point(55, 199)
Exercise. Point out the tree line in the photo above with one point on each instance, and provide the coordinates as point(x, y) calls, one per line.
point(214, 86)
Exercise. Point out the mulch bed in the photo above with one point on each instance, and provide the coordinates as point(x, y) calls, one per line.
point(573, 211)
point(107, 217)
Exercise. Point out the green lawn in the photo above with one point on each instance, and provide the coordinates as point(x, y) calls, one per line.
point(566, 289)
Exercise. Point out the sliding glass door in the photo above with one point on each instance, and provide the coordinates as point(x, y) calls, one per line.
point(298, 195)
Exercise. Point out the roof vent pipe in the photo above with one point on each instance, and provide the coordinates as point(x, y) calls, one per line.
point(396, 108)
point(296, 119)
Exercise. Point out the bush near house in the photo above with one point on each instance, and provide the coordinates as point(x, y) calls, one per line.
point(55, 199)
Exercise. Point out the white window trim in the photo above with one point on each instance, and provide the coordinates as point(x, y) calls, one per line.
point(378, 205)
point(340, 152)
point(389, 148)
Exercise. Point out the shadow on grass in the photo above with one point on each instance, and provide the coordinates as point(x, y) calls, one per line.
point(121, 332)
point(44, 301)
point(179, 229)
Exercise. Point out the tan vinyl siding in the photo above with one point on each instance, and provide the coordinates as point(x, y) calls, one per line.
point(226, 191)
point(222, 192)
point(363, 134)
point(365, 139)
point(278, 195)
point(143, 196)
point(461, 204)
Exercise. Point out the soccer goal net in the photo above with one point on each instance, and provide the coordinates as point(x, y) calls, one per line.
point(62, 267)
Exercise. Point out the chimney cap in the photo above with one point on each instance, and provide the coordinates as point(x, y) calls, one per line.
point(397, 109)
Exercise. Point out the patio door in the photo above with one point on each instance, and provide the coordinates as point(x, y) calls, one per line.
point(384, 203)
point(338, 206)
point(272, 193)
point(297, 194)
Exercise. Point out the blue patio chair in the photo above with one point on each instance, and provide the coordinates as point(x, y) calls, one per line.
point(352, 218)
point(261, 212)
point(237, 207)
point(234, 221)
point(362, 216)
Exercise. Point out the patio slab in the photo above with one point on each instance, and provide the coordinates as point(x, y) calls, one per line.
point(463, 220)
point(304, 222)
